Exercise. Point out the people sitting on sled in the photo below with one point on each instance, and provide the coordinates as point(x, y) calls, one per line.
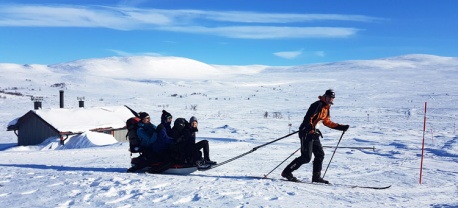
point(155, 143)
point(146, 131)
point(164, 138)
point(192, 150)
point(147, 136)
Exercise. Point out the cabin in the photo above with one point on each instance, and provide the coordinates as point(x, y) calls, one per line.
point(37, 125)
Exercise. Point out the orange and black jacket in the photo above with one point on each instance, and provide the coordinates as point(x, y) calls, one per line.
point(318, 111)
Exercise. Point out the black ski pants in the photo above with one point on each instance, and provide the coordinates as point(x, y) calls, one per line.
point(203, 144)
point(310, 144)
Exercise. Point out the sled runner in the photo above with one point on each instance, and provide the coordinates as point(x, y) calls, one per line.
point(180, 169)
point(140, 164)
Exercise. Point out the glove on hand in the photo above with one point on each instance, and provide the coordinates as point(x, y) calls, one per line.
point(342, 127)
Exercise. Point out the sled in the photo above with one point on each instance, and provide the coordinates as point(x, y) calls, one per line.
point(180, 169)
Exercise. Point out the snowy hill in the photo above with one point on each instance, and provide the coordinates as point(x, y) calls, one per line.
point(412, 61)
point(149, 67)
point(382, 100)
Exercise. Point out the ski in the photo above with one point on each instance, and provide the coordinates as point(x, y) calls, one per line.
point(323, 184)
point(343, 185)
point(370, 187)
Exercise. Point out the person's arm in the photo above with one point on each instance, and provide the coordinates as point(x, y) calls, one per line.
point(144, 138)
point(141, 134)
point(166, 138)
point(307, 123)
point(327, 122)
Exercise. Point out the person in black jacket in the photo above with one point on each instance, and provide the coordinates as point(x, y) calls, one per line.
point(161, 146)
point(164, 133)
point(193, 153)
point(310, 137)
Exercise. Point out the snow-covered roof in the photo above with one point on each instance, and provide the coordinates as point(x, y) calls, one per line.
point(83, 119)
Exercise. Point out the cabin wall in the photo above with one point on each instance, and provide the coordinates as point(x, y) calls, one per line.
point(34, 131)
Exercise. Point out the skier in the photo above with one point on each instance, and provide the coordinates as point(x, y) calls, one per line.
point(310, 137)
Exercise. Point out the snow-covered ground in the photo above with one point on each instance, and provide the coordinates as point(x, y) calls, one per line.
point(382, 101)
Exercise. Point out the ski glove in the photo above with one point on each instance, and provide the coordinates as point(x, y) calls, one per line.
point(342, 127)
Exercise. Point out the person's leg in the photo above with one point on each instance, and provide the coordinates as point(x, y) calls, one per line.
point(165, 163)
point(318, 162)
point(203, 144)
point(306, 155)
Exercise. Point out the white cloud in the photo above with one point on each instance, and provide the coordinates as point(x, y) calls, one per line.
point(295, 54)
point(289, 54)
point(320, 53)
point(254, 17)
point(267, 32)
point(239, 24)
point(74, 16)
point(124, 53)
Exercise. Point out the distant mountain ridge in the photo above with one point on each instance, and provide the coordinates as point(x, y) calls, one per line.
point(153, 68)
point(139, 67)
point(410, 61)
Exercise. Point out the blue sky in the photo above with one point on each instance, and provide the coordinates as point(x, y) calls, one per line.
point(227, 32)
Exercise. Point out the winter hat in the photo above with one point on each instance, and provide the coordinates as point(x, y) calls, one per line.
point(165, 115)
point(143, 115)
point(192, 119)
point(330, 93)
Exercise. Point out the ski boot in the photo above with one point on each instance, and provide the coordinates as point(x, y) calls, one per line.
point(289, 176)
point(210, 162)
point(318, 179)
point(201, 165)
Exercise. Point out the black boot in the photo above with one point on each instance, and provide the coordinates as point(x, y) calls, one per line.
point(318, 179)
point(288, 171)
point(288, 175)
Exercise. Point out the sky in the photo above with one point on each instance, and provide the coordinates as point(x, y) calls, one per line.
point(236, 32)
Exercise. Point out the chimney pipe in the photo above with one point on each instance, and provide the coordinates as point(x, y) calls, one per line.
point(37, 105)
point(80, 101)
point(36, 102)
point(61, 96)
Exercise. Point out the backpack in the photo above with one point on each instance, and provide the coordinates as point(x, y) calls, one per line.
point(178, 125)
point(134, 141)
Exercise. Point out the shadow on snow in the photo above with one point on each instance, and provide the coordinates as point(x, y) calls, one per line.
point(7, 146)
point(65, 168)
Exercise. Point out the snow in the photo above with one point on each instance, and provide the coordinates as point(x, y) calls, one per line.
point(382, 100)
point(84, 140)
point(84, 119)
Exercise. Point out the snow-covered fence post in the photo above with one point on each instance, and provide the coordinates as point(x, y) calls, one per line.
point(423, 144)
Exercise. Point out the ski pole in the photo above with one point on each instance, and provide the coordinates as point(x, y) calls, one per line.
point(246, 153)
point(333, 153)
point(265, 176)
point(132, 111)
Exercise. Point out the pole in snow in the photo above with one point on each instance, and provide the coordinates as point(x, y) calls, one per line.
point(423, 144)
